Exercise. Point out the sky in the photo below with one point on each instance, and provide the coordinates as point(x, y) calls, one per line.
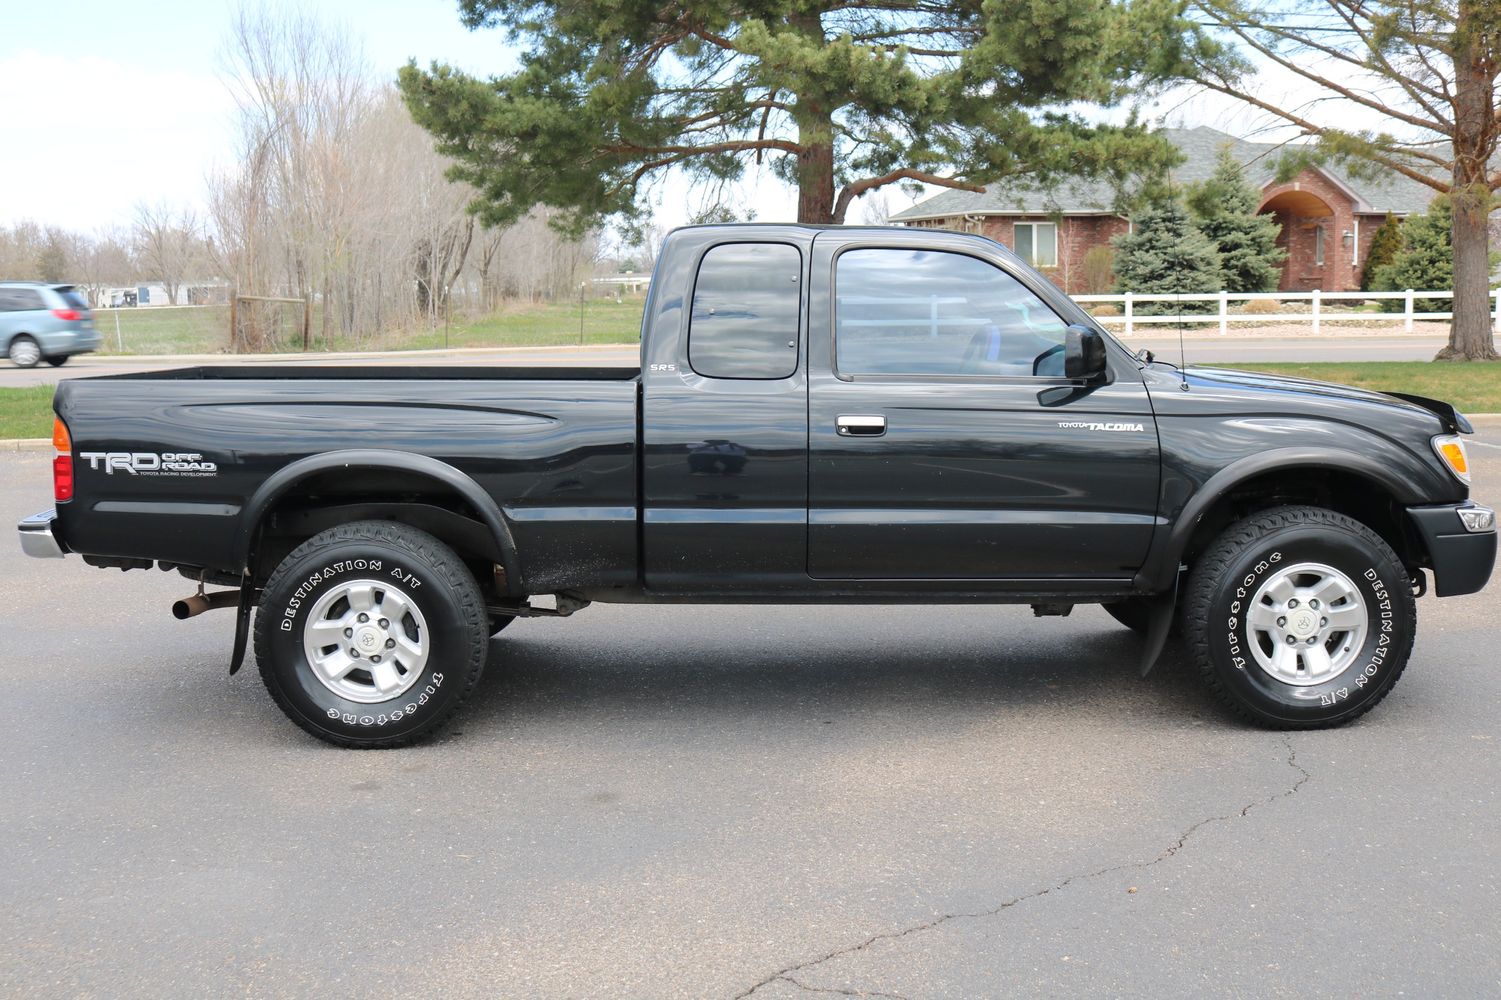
point(130, 102)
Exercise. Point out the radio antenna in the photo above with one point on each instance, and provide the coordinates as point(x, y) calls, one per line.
point(1182, 353)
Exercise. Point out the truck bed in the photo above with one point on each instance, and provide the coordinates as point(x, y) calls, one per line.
point(554, 447)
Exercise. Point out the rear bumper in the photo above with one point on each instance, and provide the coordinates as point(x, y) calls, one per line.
point(37, 539)
point(1462, 558)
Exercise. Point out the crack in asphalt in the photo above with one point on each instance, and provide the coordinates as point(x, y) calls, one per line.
point(838, 991)
point(786, 974)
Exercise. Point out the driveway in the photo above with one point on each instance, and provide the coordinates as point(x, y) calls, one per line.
point(924, 802)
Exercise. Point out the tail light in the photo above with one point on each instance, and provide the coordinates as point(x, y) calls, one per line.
point(67, 314)
point(62, 462)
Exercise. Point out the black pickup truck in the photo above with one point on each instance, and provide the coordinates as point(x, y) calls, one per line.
point(871, 416)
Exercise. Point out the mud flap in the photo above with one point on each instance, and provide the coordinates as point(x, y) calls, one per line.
point(242, 626)
point(1159, 624)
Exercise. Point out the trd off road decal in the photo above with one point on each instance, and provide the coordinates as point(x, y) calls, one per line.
point(149, 463)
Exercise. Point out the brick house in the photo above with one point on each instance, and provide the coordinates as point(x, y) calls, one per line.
point(1328, 217)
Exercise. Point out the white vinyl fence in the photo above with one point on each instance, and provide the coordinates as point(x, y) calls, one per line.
point(1317, 312)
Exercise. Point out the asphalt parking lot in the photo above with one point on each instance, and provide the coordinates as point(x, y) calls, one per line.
point(719, 802)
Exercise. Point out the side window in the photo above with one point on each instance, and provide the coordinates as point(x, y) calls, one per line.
point(7, 301)
point(926, 312)
point(22, 300)
point(746, 303)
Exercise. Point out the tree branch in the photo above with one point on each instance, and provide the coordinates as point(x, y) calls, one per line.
point(1310, 128)
point(1241, 31)
point(855, 189)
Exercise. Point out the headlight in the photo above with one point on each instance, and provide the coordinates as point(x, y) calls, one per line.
point(1451, 451)
point(1477, 518)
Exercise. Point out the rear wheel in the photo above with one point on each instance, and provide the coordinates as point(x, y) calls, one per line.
point(24, 352)
point(1300, 618)
point(371, 634)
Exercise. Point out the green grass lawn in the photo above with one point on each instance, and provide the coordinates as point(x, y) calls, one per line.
point(143, 330)
point(1474, 387)
point(26, 413)
point(205, 330)
point(605, 321)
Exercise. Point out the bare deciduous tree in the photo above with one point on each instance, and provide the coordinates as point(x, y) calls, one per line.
point(169, 243)
point(1429, 66)
point(339, 198)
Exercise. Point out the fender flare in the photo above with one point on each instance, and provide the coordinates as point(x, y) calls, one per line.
point(279, 483)
point(1163, 565)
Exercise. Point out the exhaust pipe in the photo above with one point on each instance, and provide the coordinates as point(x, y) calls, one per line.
point(189, 607)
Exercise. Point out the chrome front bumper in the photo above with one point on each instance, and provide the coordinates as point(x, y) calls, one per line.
point(37, 539)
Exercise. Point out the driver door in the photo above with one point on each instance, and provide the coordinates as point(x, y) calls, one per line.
point(944, 441)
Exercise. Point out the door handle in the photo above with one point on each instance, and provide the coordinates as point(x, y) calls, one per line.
point(852, 425)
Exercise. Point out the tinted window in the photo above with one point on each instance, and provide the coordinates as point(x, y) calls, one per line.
point(18, 299)
point(925, 312)
point(72, 297)
point(745, 311)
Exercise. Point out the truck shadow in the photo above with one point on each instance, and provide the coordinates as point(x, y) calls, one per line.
point(530, 678)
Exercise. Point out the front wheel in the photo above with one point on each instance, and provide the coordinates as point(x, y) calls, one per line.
point(1300, 618)
point(371, 634)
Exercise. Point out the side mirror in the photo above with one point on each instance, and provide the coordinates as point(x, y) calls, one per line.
point(1083, 353)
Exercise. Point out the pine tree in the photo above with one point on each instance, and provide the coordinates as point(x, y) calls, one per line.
point(1165, 252)
point(1224, 208)
point(838, 98)
point(1426, 260)
point(1384, 247)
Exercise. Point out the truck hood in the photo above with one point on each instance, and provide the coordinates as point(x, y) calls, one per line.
point(1263, 382)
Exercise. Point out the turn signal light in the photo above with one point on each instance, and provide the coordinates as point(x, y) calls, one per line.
point(62, 462)
point(1451, 450)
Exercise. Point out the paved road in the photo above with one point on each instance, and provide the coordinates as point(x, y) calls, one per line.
point(646, 802)
point(1199, 350)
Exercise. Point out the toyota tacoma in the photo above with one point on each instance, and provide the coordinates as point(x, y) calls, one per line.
point(820, 415)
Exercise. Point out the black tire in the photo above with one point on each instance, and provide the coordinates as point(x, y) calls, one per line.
point(394, 563)
point(23, 351)
point(56, 360)
point(1241, 566)
point(498, 623)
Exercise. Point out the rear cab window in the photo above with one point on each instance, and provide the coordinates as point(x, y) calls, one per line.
point(747, 300)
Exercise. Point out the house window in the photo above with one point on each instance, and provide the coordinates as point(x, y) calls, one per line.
point(1037, 243)
point(1318, 245)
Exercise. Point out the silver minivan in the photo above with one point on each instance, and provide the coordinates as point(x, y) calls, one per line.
point(44, 322)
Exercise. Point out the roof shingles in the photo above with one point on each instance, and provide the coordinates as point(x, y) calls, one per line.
point(1387, 191)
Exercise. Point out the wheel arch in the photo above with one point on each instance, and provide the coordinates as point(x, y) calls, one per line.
point(487, 533)
point(1357, 485)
